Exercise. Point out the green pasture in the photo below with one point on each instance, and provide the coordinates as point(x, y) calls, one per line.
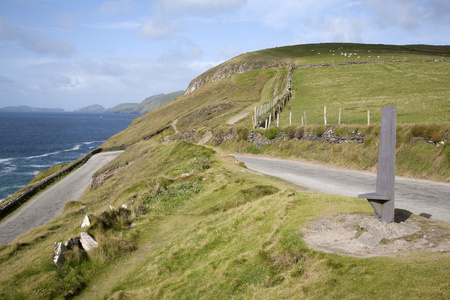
point(420, 90)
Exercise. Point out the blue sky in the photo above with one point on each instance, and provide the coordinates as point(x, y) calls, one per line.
point(69, 54)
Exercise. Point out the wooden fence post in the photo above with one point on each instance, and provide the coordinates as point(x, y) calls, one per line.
point(325, 115)
point(368, 117)
point(290, 118)
point(304, 116)
point(339, 122)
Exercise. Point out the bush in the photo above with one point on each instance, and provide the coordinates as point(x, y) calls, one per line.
point(271, 133)
point(243, 134)
point(300, 133)
point(320, 130)
point(418, 130)
point(431, 130)
point(291, 133)
point(436, 137)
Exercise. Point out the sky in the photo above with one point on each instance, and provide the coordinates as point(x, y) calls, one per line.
point(73, 53)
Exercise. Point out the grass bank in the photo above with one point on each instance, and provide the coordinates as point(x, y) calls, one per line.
point(198, 225)
point(422, 150)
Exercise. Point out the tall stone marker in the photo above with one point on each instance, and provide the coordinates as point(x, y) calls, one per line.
point(382, 200)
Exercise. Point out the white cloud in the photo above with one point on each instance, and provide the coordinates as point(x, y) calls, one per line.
point(65, 20)
point(4, 79)
point(159, 28)
point(344, 30)
point(227, 51)
point(118, 25)
point(115, 7)
point(202, 6)
point(33, 41)
point(409, 14)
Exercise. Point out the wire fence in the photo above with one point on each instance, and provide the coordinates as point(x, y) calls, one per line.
point(334, 115)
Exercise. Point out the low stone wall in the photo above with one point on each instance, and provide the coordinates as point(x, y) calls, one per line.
point(25, 196)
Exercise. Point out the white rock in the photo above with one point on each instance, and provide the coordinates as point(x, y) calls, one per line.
point(112, 207)
point(58, 258)
point(86, 222)
point(87, 241)
point(124, 206)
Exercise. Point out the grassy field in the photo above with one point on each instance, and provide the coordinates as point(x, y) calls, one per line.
point(216, 233)
point(330, 53)
point(419, 90)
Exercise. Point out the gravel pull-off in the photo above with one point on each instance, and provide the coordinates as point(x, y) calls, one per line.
point(363, 236)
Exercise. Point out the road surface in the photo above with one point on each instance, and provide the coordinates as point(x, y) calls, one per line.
point(50, 203)
point(421, 197)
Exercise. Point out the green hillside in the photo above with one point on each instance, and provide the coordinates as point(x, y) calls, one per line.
point(149, 104)
point(197, 225)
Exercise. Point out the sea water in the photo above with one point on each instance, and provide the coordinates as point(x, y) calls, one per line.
point(33, 142)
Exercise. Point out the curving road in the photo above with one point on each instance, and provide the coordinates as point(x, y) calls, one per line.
point(50, 203)
point(421, 197)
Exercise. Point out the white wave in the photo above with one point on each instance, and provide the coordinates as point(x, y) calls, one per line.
point(43, 155)
point(88, 143)
point(15, 187)
point(39, 166)
point(75, 148)
point(7, 170)
point(6, 160)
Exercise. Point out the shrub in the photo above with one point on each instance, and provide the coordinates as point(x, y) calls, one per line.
point(243, 134)
point(320, 130)
point(291, 133)
point(418, 130)
point(431, 130)
point(271, 133)
point(436, 137)
point(300, 132)
point(369, 129)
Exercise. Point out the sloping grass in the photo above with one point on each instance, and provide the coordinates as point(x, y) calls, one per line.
point(241, 91)
point(203, 229)
point(198, 225)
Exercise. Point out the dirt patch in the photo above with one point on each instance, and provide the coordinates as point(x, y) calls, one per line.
point(206, 137)
point(98, 179)
point(236, 118)
point(363, 236)
point(204, 114)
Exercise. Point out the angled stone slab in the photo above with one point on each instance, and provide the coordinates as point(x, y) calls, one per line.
point(87, 241)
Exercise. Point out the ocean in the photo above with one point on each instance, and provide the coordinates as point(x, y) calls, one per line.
point(33, 142)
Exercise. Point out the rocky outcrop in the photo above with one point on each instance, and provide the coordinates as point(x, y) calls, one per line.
point(228, 69)
point(220, 137)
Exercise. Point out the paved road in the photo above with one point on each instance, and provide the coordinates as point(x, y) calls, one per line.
point(421, 197)
point(50, 203)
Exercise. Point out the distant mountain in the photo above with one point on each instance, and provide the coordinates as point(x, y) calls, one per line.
point(95, 108)
point(149, 104)
point(24, 108)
